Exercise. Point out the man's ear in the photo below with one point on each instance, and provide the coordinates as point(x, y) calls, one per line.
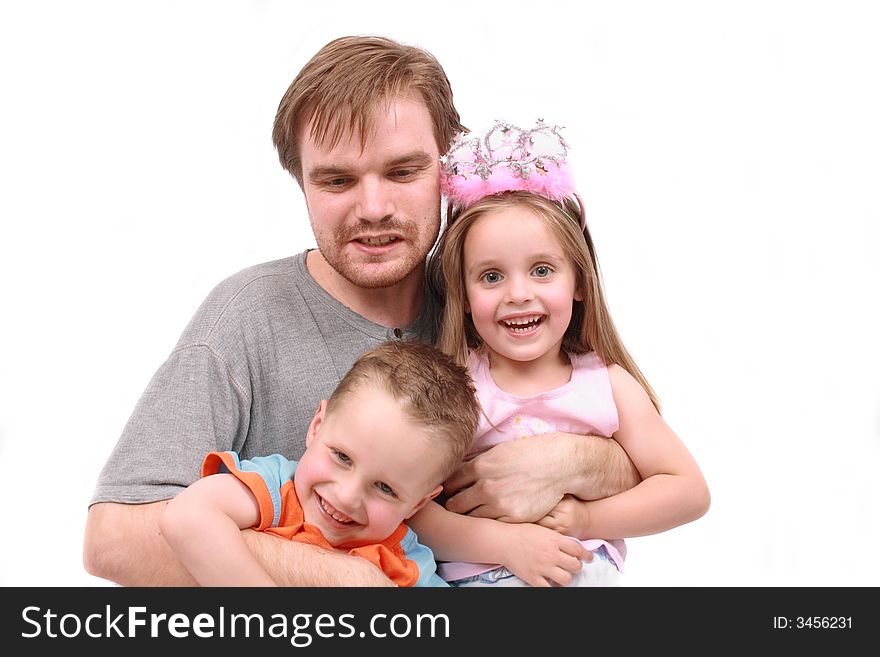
point(425, 500)
point(316, 421)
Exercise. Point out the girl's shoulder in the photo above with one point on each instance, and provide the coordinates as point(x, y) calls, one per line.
point(586, 361)
point(627, 390)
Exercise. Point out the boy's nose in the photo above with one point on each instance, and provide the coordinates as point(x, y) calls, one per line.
point(348, 494)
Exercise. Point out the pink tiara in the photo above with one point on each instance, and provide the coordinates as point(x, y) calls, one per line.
point(507, 158)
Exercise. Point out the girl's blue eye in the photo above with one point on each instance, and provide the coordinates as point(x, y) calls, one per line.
point(542, 271)
point(492, 277)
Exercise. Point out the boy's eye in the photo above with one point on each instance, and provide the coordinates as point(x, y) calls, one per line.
point(542, 271)
point(342, 457)
point(385, 488)
point(491, 277)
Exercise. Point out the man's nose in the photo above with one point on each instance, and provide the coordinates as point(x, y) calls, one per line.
point(374, 202)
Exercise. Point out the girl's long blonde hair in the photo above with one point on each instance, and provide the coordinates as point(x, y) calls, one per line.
point(591, 327)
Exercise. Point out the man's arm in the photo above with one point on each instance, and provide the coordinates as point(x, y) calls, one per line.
point(522, 480)
point(123, 544)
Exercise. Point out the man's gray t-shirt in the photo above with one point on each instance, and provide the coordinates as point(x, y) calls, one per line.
point(247, 375)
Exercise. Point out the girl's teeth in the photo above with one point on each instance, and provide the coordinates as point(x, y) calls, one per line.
point(515, 323)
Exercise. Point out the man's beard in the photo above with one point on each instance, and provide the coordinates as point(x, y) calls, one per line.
point(376, 272)
point(374, 276)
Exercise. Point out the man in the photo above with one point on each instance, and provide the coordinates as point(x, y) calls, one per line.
point(361, 129)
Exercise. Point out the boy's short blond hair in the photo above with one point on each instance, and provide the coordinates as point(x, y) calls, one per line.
point(435, 392)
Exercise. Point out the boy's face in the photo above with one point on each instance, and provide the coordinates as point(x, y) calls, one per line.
point(375, 211)
point(367, 467)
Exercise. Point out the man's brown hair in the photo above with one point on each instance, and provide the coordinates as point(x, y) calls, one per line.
point(339, 89)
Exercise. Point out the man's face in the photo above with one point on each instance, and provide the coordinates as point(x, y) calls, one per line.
point(375, 212)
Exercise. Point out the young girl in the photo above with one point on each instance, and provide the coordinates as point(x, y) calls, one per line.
point(526, 311)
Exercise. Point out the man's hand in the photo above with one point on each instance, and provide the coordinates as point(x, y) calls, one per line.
point(516, 481)
point(522, 480)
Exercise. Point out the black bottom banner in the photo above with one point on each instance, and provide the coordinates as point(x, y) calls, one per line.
point(433, 621)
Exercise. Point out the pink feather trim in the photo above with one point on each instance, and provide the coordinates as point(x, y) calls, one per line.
point(464, 190)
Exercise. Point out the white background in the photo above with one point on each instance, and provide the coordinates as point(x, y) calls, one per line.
point(728, 154)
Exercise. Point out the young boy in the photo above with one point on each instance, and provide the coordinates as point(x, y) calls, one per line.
point(377, 451)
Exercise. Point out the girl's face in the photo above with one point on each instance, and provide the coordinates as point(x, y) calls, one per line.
point(520, 285)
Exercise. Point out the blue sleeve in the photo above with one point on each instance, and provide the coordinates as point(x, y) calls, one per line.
point(423, 558)
point(275, 470)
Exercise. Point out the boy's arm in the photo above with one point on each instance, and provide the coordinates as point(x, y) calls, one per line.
point(452, 538)
point(123, 545)
point(203, 526)
point(522, 480)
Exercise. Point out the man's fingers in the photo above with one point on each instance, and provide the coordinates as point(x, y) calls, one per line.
point(460, 479)
point(481, 511)
point(463, 502)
